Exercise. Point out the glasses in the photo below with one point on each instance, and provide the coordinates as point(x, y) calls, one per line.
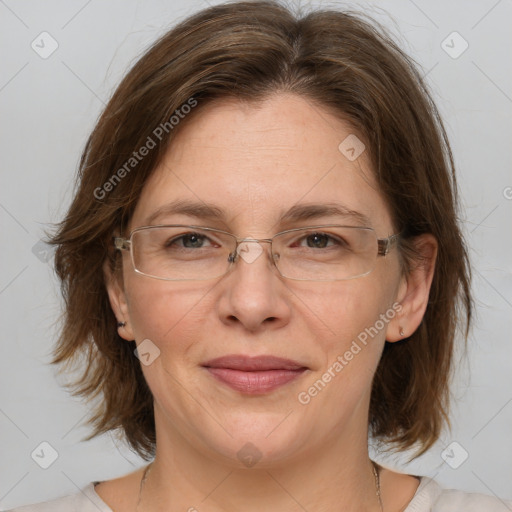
point(317, 253)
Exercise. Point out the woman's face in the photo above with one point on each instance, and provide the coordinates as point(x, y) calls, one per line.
point(256, 162)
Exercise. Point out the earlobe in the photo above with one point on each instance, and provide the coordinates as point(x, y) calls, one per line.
point(413, 292)
point(118, 302)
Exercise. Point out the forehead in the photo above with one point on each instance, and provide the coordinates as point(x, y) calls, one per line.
point(255, 161)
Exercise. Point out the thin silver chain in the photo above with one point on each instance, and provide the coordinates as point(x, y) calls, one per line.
point(376, 474)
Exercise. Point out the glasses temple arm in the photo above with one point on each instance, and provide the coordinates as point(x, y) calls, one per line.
point(121, 243)
point(385, 244)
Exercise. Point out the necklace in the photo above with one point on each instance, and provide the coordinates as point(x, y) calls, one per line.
point(375, 474)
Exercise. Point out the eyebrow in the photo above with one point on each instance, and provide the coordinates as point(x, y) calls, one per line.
point(297, 213)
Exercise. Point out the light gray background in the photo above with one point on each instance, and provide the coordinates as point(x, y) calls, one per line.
point(48, 107)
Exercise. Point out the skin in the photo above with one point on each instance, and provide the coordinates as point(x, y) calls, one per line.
point(255, 161)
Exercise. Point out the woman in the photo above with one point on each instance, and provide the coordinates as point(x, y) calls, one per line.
point(262, 266)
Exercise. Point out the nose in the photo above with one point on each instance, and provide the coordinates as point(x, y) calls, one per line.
point(253, 295)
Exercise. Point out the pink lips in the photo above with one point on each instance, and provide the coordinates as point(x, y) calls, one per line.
point(254, 375)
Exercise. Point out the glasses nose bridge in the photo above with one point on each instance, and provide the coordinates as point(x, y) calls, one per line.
point(235, 255)
point(241, 240)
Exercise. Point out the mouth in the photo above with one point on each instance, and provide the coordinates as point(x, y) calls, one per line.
point(254, 375)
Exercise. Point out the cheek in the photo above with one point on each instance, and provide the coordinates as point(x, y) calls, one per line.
point(352, 311)
point(345, 310)
point(164, 311)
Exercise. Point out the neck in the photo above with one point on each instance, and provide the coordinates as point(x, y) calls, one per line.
point(337, 475)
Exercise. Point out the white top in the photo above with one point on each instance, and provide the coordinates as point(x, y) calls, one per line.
point(429, 497)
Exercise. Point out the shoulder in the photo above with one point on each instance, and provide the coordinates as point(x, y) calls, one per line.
point(85, 500)
point(431, 497)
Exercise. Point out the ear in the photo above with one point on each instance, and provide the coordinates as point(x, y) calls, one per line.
point(118, 301)
point(414, 289)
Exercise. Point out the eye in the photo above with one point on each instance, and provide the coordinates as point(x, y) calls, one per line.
point(320, 240)
point(188, 241)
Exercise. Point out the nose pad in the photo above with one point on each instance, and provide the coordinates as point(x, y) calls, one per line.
point(249, 250)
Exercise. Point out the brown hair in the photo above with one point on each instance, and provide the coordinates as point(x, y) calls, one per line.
point(249, 50)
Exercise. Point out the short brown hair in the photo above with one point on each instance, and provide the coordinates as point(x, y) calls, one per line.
point(249, 50)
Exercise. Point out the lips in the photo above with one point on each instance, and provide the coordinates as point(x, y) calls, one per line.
point(253, 364)
point(254, 375)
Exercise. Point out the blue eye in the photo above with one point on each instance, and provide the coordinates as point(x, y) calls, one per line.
point(188, 241)
point(321, 240)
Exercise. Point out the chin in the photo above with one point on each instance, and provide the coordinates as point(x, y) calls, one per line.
point(259, 440)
